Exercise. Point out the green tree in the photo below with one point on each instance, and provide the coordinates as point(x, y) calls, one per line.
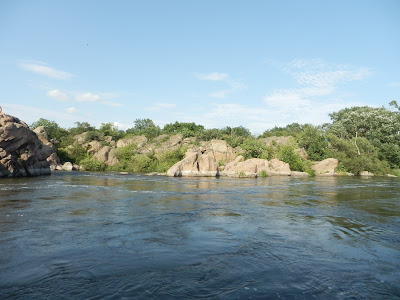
point(253, 148)
point(81, 127)
point(53, 130)
point(369, 122)
point(145, 127)
point(288, 155)
point(186, 129)
point(314, 141)
point(110, 129)
point(293, 129)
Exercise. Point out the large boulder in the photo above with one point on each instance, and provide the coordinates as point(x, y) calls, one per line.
point(138, 140)
point(68, 166)
point(218, 149)
point(93, 147)
point(22, 153)
point(107, 155)
point(253, 167)
point(366, 173)
point(245, 168)
point(326, 167)
point(48, 150)
point(196, 164)
point(278, 168)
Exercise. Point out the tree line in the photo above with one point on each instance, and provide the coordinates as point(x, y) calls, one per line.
point(361, 138)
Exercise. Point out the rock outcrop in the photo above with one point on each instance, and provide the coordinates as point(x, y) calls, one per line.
point(217, 149)
point(22, 153)
point(107, 155)
point(194, 165)
point(326, 167)
point(138, 140)
point(253, 167)
point(48, 149)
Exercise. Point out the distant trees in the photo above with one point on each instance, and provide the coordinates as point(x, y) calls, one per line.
point(361, 138)
point(186, 129)
point(380, 128)
point(145, 127)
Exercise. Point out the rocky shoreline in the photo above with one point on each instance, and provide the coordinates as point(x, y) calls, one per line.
point(26, 152)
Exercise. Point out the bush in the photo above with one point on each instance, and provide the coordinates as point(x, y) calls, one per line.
point(349, 161)
point(140, 163)
point(288, 155)
point(75, 153)
point(93, 136)
point(263, 173)
point(91, 164)
point(314, 141)
point(253, 148)
point(391, 153)
point(167, 160)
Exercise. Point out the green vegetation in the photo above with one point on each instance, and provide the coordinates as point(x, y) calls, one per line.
point(361, 138)
point(263, 173)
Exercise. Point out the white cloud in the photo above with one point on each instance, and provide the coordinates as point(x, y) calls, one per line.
point(58, 95)
point(87, 97)
point(71, 110)
point(102, 98)
point(43, 69)
point(233, 84)
point(212, 76)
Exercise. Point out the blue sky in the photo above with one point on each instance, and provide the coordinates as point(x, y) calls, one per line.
point(217, 63)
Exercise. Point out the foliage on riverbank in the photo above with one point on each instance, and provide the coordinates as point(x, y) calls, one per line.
point(361, 138)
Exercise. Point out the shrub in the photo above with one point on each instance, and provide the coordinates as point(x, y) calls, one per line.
point(253, 148)
point(263, 173)
point(167, 160)
point(288, 155)
point(91, 164)
point(314, 141)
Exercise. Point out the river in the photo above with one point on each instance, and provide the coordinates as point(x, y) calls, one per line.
point(109, 236)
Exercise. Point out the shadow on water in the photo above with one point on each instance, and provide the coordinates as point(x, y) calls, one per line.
point(103, 235)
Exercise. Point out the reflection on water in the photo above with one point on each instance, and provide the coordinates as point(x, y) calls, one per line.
point(103, 235)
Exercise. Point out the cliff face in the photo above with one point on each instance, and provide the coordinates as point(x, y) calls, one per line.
point(22, 153)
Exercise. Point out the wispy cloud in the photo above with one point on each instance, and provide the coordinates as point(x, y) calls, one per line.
point(315, 78)
point(41, 68)
point(87, 97)
point(102, 98)
point(83, 97)
point(214, 76)
point(160, 105)
point(57, 94)
point(233, 85)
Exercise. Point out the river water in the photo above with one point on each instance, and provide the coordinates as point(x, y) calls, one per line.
point(108, 236)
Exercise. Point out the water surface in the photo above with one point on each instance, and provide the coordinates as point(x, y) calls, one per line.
point(108, 236)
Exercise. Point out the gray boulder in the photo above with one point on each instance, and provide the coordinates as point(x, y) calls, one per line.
point(22, 153)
